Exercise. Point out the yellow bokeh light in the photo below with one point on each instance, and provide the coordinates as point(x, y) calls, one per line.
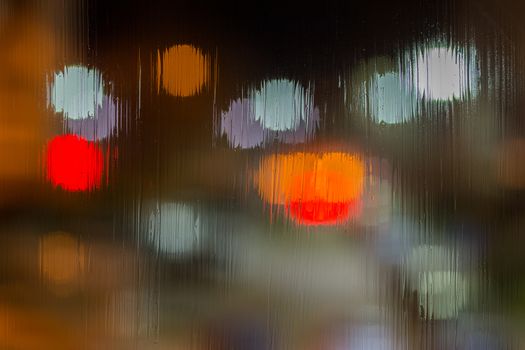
point(183, 70)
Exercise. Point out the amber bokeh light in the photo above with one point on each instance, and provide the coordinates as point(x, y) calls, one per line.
point(62, 259)
point(183, 70)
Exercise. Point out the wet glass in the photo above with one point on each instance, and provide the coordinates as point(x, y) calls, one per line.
point(317, 176)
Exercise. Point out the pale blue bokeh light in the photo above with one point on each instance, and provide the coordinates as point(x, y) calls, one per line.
point(388, 98)
point(175, 229)
point(77, 92)
point(280, 104)
point(279, 111)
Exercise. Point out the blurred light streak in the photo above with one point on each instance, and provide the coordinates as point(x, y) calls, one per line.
point(73, 163)
point(183, 70)
point(315, 189)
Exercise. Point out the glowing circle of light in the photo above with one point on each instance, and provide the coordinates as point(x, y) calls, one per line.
point(321, 212)
point(280, 104)
point(77, 92)
point(434, 272)
point(280, 110)
point(178, 230)
point(442, 294)
point(73, 163)
point(382, 92)
point(315, 189)
point(388, 99)
point(183, 70)
point(445, 74)
point(88, 110)
point(62, 260)
point(99, 127)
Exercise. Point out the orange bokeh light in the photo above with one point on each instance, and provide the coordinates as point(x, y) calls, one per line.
point(315, 189)
point(183, 70)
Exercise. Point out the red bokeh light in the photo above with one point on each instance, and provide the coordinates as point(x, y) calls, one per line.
point(320, 212)
point(313, 199)
point(73, 163)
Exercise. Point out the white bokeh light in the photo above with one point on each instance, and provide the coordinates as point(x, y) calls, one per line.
point(77, 92)
point(445, 74)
